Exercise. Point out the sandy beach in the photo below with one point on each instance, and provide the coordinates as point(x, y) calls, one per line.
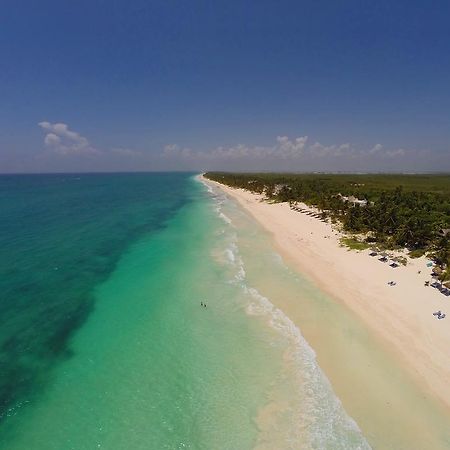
point(401, 316)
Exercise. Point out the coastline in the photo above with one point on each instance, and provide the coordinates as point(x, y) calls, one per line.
point(400, 316)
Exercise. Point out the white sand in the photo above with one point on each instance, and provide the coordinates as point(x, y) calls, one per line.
point(400, 315)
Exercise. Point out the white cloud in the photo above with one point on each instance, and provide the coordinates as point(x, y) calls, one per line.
point(63, 141)
point(375, 149)
point(52, 139)
point(286, 148)
point(296, 149)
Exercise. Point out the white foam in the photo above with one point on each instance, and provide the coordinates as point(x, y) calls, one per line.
point(319, 415)
point(202, 180)
point(224, 217)
point(219, 200)
point(320, 412)
point(241, 274)
point(234, 258)
point(230, 255)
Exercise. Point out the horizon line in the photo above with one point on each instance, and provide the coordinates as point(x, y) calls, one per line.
point(229, 171)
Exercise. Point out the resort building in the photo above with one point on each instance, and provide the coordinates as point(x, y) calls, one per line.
point(352, 199)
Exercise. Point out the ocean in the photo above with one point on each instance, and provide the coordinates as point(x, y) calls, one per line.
point(104, 339)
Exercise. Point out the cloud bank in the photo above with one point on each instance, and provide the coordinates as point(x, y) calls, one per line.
point(286, 154)
point(299, 154)
point(61, 140)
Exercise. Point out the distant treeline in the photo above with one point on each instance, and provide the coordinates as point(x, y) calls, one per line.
point(410, 211)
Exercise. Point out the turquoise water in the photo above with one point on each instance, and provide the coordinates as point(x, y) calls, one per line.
point(105, 343)
point(60, 236)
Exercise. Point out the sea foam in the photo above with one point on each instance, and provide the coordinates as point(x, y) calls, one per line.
point(317, 420)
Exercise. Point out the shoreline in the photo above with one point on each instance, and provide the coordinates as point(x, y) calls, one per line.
point(400, 316)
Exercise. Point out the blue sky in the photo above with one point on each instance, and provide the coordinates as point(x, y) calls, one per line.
point(267, 85)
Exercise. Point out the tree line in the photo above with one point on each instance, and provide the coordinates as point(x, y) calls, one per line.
point(395, 211)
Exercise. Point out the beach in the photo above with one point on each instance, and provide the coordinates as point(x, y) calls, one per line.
point(399, 317)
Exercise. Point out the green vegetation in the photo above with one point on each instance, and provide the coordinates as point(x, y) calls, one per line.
point(401, 260)
point(396, 211)
point(354, 244)
point(417, 253)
